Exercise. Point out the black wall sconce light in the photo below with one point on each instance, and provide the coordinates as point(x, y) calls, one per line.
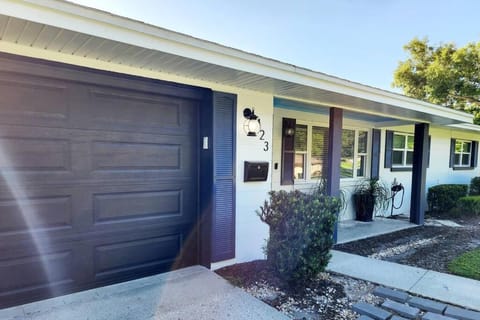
point(251, 126)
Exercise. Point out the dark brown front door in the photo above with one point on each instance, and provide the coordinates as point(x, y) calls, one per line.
point(98, 178)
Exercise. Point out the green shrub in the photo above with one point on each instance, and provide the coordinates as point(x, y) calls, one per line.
point(444, 197)
point(301, 233)
point(475, 186)
point(468, 206)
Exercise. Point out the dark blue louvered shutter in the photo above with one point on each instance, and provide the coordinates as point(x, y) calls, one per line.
point(474, 157)
point(375, 164)
point(452, 153)
point(223, 221)
point(428, 153)
point(288, 151)
point(388, 148)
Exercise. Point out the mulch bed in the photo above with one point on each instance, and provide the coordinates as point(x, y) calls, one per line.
point(330, 296)
point(298, 302)
point(428, 247)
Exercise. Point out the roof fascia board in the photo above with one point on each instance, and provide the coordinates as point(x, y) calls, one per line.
point(466, 127)
point(391, 124)
point(98, 23)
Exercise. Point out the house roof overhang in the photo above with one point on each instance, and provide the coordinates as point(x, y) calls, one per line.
point(84, 33)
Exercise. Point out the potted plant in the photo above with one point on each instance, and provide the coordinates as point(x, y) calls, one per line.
point(370, 194)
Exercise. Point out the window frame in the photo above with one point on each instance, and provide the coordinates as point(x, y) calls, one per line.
point(357, 154)
point(473, 154)
point(308, 161)
point(308, 154)
point(304, 153)
point(405, 150)
point(388, 152)
point(462, 153)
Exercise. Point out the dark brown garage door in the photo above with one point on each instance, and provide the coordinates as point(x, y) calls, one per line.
point(99, 178)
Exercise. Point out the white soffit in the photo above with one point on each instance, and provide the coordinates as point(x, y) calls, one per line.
point(70, 29)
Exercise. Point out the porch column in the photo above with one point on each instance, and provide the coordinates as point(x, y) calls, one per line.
point(419, 173)
point(334, 155)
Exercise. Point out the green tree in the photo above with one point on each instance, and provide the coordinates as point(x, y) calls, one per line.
point(444, 75)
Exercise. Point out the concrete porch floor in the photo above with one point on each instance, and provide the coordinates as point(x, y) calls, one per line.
point(351, 230)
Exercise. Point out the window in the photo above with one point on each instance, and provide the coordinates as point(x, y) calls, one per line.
point(318, 160)
point(399, 150)
point(300, 151)
point(305, 153)
point(361, 162)
point(463, 154)
point(354, 153)
point(315, 144)
point(402, 155)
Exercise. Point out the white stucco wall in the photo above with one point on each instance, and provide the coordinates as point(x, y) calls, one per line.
point(404, 177)
point(251, 232)
point(439, 171)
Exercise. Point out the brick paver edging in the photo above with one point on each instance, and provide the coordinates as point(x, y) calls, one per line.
point(401, 305)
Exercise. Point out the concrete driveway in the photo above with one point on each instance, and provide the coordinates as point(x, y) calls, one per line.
point(190, 293)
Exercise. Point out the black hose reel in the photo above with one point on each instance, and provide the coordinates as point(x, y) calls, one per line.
point(396, 188)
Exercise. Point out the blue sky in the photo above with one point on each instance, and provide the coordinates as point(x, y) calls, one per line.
point(358, 40)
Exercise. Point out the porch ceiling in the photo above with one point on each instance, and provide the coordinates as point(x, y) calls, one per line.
point(376, 119)
point(72, 30)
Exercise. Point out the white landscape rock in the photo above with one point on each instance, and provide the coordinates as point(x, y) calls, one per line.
point(442, 223)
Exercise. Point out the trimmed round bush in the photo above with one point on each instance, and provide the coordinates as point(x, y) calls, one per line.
point(475, 186)
point(444, 197)
point(468, 206)
point(301, 233)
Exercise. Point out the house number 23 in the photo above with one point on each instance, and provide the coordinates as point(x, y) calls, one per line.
point(266, 145)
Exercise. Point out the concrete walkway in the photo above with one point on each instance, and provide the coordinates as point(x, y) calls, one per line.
point(439, 286)
point(190, 293)
point(351, 230)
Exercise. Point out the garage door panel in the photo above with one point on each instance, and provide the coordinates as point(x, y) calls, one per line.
point(128, 156)
point(71, 213)
point(134, 205)
point(33, 100)
point(35, 214)
point(30, 212)
point(26, 274)
point(166, 204)
point(138, 256)
point(49, 156)
point(35, 154)
point(136, 111)
point(116, 155)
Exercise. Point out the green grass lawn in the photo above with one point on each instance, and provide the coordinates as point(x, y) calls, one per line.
point(467, 265)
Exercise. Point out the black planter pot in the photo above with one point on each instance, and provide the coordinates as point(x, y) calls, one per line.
point(364, 206)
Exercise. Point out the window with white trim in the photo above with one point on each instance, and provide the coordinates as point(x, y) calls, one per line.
point(318, 158)
point(354, 153)
point(305, 152)
point(299, 164)
point(463, 153)
point(402, 151)
point(311, 150)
